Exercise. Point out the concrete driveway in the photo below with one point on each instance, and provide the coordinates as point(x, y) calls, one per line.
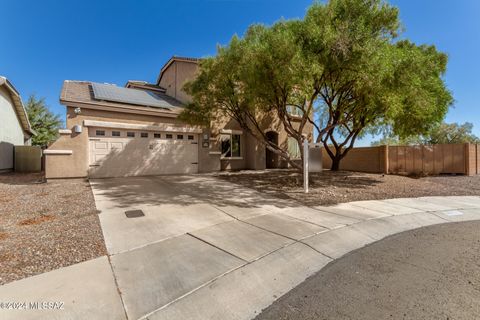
point(208, 249)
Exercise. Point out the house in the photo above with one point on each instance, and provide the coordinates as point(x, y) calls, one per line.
point(133, 130)
point(15, 128)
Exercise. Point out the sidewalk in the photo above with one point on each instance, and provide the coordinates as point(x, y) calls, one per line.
point(231, 269)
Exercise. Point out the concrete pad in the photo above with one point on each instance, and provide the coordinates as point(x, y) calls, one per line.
point(286, 226)
point(243, 293)
point(418, 204)
point(150, 277)
point(321, 218)
point(356, 212)
point(159, 223)
point(338, 242)
point(242, 240)
point(452, 202)
point(382, 206)
point(459, 215)
point(245, 212)
point(384, 227)
point(87, 291)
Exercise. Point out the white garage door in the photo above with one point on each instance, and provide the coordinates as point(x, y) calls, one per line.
point(119, 153)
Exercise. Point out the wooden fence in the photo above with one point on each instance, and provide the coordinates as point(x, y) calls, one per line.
point(434, 159)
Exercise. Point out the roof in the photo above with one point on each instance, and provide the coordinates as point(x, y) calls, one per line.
point(82, 92)
point(173, 59)
point(18, 104)
point(138, 84)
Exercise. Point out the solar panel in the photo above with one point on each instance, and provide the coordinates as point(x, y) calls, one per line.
point(113, 93)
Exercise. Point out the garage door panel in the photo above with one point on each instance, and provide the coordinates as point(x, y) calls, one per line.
point(114, 157)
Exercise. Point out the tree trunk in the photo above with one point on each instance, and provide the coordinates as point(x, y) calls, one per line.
point(335, 163)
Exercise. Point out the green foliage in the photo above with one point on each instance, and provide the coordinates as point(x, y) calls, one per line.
point(43, 122)
point(342, 66)
point(444, 133)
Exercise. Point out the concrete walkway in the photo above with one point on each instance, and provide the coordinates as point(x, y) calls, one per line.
point(209, 249)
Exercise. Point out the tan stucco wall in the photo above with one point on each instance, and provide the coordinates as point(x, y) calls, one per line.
point(175, 76)
point(76, 164)
point(11, 132)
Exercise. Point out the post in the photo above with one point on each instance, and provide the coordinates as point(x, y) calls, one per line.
point(305, 165)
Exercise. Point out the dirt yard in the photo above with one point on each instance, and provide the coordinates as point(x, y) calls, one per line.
point(45, 226)
point(329, 187)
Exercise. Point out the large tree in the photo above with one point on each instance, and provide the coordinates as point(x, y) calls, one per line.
point(342, 67)
point(43, 122)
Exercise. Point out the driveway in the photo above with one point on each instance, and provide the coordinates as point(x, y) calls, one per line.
point(203, 248)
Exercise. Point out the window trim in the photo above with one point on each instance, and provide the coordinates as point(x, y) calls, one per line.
point(231, 134)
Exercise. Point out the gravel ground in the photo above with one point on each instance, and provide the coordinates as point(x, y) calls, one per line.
point(330, 187)
point(45, 226)
point(428, 273)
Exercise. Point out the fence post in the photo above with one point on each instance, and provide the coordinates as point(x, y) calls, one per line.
point(386, 159)
point(467, 159)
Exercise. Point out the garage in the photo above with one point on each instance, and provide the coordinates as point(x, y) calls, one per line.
point(127, 152)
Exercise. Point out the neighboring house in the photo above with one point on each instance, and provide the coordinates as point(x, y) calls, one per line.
point(14, 125)
point(133, 130)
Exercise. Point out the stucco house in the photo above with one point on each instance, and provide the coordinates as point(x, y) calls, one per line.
point(15, 128)
point(114, 131)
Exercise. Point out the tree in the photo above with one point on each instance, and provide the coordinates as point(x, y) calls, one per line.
point(43, 122)
point(367, 78)
point(341, 66)
point(254, 80)
point(444, 133)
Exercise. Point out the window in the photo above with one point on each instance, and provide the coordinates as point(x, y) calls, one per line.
point(115, 133)
point(157, 135)
point(294, 111)
point(169, 136)
point(144, 135)
point(100, 132)
point(179, 136)
point(293, 148)
point(131, 134)
point(191, 138)
point(230, 145)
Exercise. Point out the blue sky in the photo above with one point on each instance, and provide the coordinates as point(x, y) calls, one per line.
point(46, 42)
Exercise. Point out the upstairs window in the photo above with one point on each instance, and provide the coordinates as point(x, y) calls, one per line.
point(294, 111)
point(231, 145)
point(144, 135)
point(115, 133)
point(179, 136)
point(169, 136)
point(100, 132)
point(131, 134)
point(157, 135)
